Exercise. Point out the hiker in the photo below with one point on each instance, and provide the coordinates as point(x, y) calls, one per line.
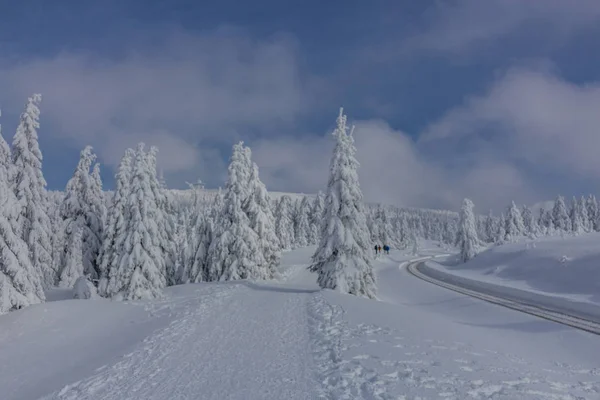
point(376, 248)
point(379, 248)
point(386, 248)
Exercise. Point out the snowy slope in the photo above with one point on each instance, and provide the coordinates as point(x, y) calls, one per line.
point(554, 266)
point(288, 340)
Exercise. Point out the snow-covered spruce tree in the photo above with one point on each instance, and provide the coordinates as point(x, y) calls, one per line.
point(560, 218)
point(585, 218)
point(140, 271)
point(20, 284)
point(284, 224)
point(316, 216)
point(302, 229)
point(575, 217)
point(113, 239)
point(8, 175)
point(490, 228)
point(83, 212)
point(165, 219)
point(501, 233)
point(592, 207)
point(29, 185)
point(467, 240)
point(513, 223)
point(343, 257)
point(235, 252)
point(262, 221)
point(529, 222)
point(73, 268)
point(182, 242)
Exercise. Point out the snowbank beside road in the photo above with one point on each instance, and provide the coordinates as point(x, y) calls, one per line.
point(566, 267)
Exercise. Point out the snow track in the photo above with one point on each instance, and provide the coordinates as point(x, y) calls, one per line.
point(559, 316)
point(237, 341)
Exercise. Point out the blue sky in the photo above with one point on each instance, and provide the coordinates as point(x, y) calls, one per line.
point(494, 100)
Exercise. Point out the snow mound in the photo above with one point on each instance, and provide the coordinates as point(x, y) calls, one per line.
point(84, 289)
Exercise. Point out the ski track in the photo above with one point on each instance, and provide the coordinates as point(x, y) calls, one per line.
point(206, 352)
point(249, 341)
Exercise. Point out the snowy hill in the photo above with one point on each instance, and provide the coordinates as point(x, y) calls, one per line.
point(289, 340)
point(556, 266)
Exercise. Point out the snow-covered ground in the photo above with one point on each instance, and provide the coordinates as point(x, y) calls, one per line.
point(289, 340)
point(565, 267)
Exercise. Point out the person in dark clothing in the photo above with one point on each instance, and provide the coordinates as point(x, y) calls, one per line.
point(386, 248)
point(380, 248)
point(376, 248)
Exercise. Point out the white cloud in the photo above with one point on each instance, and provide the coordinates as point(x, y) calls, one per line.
point(462, 25)
point(534, 117)
point(393, 170)
point(180, 94)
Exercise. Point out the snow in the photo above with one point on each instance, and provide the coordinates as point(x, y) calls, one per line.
point(290, 340)
point(563, 267)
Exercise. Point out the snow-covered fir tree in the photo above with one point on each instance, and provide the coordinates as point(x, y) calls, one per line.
point(343, 259)
point(490, 228)
point(560, 217)
point(514, 226)
point(316, 216)
point(284, 224)
point(29, 185)
point(501, 233)
point(140, 271)
point(592, 208)
point(575, 217)
point(73, 268)
point(585, 218)
point(235, 252)
point(113, 240)
point(20, 283)
point(83, 212)
point(302, 231)
point(529, 222)
point(204, 233)
point(467, 240)
point(262, 221)
point(165, 218)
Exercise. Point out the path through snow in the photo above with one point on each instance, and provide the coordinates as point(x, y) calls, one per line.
point(288, 340)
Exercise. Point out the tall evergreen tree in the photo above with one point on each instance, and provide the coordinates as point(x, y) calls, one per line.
point(532, 228)
point(235, 252)
point(262, 221)
point(284, 224)
point(343, 259)
point(576, 223)
point(165, 218)
point(114, 234)
point(316, 215)
point(514, 226)
point(560, 217)
point(490, 228)
point(583, 212)
point(140, 271)
point(20, 283)
point(33, 223)
point(73, 269)
point(592, 207)
point(83, 212)
point(467, 240)
point(302, 231)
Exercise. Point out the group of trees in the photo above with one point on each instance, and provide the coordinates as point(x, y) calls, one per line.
point(134, 241)
point(475, 232)
point(141, 237)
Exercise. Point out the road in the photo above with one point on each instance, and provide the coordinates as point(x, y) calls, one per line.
point(582, 316)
